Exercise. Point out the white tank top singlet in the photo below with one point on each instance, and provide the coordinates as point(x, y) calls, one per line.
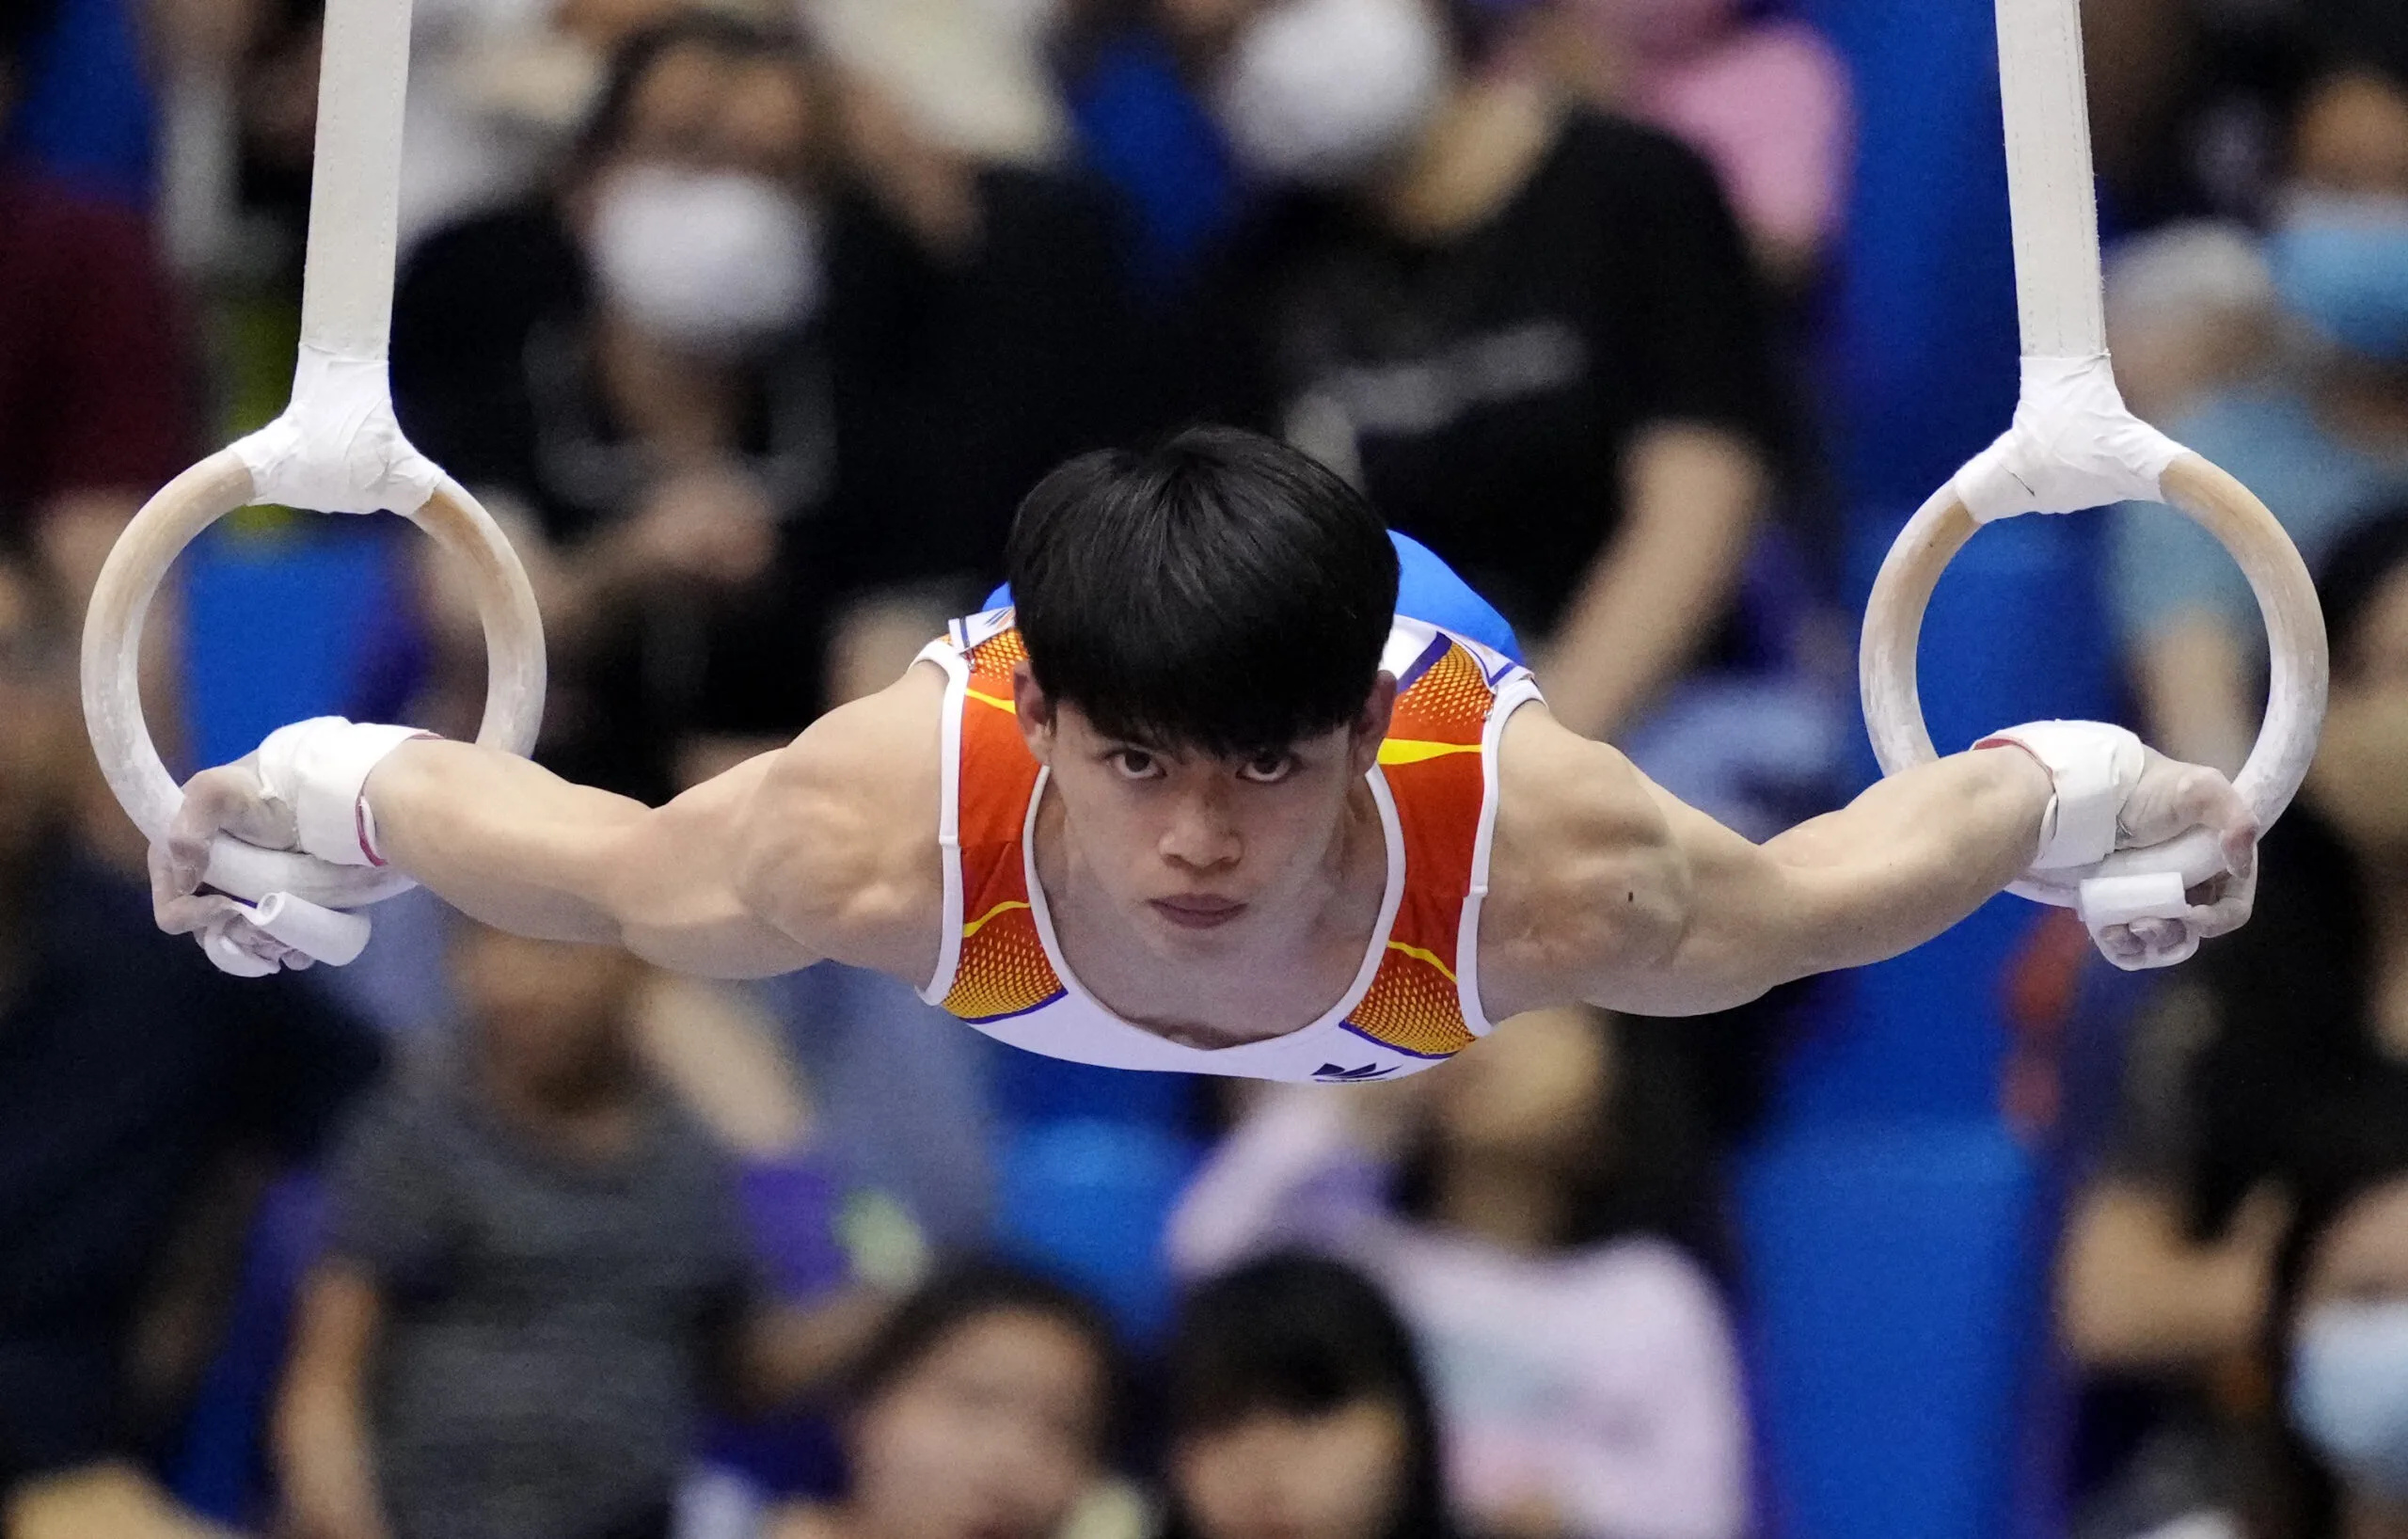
point(1415, 999)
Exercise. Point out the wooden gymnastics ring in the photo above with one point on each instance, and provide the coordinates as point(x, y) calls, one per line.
point(2295, 636)
point(337, 447)
point(113, 643)
point(2074, 445)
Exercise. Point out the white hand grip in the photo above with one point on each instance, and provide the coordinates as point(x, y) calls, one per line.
point(327, 935)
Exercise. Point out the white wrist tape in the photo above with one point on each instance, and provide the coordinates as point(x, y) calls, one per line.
point(2094, 767)
point(2074, 446)
point(320, 767)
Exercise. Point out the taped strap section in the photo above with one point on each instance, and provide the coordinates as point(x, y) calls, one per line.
point(2073, 445)
point(338, 447)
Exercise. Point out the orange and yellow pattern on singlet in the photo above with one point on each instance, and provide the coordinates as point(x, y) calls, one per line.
point(1432, 761)
point(1004, 971)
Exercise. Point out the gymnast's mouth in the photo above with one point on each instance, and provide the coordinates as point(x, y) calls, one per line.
point(1198, 911)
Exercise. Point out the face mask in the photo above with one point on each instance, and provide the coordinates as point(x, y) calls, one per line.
point(2341, 263)
point(1322, 92)
point(2348, 1391)
point(710, 261)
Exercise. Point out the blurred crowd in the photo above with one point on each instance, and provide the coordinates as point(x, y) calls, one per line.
point(751, 319)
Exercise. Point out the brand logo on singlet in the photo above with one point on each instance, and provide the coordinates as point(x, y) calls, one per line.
point(1329, 1074)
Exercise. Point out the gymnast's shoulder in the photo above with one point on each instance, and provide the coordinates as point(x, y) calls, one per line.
point(839, 848)
point(1587, 876)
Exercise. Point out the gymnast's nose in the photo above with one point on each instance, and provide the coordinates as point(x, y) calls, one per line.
point(1202, 835)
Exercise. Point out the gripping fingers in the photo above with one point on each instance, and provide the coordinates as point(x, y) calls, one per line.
point(221, 926)
point(2145, 943)
point(228, 799)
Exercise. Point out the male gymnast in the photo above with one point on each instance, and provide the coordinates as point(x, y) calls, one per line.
point(1214, 794)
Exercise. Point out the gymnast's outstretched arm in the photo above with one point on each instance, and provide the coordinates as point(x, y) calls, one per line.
point(788, 858)
point(1606, 888)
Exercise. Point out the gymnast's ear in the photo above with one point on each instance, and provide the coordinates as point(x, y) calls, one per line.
point(1371, 728)
point(1036, 713)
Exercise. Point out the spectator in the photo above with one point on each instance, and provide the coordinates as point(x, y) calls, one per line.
point(1516, 1207)
point(2190, 314)
point(2326, 1454)
point(982, 301)
point(536, 1278)
point(93, 409)
point(2234, 1068)
point(984, 1410)
point(1531, 332)
point(2321, 442)
point(2340, 1341)
point(1764, 98)
point(145, 1102)
point(632, 367)
point(708, 368)
point(1299, 1411)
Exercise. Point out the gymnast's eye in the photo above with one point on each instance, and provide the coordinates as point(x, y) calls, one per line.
point(1268, 769)
point(1135, 764)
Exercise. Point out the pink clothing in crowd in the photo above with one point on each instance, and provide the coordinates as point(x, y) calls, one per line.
point(1770, 106)
point(1602, 1382)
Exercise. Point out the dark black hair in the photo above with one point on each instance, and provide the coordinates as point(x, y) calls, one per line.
point(1221, 591)
point(966, 1294)
point(730, 37)
point(1304, 1335)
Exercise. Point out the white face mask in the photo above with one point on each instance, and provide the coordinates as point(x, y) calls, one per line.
point(1322, 92)
point(714, 261)
point(2349, 1389)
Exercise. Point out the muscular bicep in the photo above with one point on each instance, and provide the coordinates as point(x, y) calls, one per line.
point(1609, 889)
point(842, 857)
point(823, 850)
point(678, 893)
point(1740, 906)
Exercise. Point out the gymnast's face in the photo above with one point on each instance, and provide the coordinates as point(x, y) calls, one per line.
point(1203, 855)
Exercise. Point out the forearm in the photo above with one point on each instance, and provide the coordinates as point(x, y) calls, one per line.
point(327, 1472)
point(502, 839)
point(1911, 856)
point(1908, 858)
point(324, 1454)
point(1693, 496)
point(513, 845)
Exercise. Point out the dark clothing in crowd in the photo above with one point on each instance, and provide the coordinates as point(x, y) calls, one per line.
point(493, 378)
point(131, 1073)
point(551, 1322)
point(1488, 385)
point(92, 387)
point(894, 435)
point(963, 382)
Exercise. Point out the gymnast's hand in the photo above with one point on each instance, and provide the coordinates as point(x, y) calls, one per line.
point(2167, 801)
point(231, 798)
